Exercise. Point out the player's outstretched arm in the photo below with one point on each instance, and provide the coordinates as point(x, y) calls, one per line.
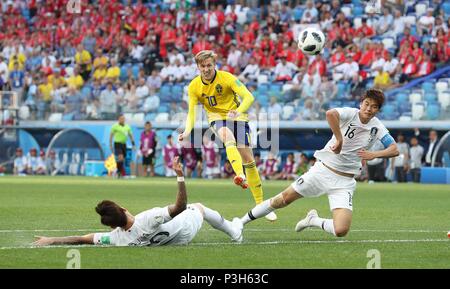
point(181, 202)
point(390, 151)
point(333, 120)
point(71, 240)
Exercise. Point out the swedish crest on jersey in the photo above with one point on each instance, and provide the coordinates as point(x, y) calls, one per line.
point(219, 89)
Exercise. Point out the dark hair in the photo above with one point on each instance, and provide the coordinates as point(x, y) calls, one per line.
point(111, 214)
point(147, 122)
point(376, 94)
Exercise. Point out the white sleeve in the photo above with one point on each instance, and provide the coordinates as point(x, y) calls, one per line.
point(345, 113)
point(156, 216)
point(103, 239)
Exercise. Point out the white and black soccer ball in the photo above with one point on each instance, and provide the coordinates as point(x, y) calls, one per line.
point(311, 41)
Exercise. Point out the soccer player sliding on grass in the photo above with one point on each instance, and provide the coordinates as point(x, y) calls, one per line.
point(220, 93)
point(354, 133)
point(175, 224)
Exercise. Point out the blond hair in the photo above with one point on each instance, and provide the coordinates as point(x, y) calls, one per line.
point(203, 55)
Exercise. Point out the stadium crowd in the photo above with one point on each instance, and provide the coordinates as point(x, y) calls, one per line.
point(109, 57)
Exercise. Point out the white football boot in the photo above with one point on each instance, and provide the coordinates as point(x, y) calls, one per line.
point(306, 222)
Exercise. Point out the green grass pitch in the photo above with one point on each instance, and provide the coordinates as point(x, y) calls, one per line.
point(406, 223)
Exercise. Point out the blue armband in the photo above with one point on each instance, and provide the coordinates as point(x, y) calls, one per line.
point(387, 140)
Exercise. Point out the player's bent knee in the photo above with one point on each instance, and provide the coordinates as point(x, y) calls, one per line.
point(200, 207)
point(341, 231)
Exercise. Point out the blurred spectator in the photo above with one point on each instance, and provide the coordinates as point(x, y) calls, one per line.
point(20, 163)
point(284, 71)
point(400, 163)
point(303, 165)
point(274, 110)
point(17, 81)
point(377, 166)
point(310, 88)
point(425, 22)
point(382, 80)
point(433, 141)
point(73, 103)
point(4, 73)
point(289, 169)
point(142, 91)
point(189, 157)
point(152, 102)
point(154, 81)
point(113, 72)
point(270, 169)
point(41, 164)
point(327, 90)
point(251, 71)
point(347, 71)
point(385, 22)
point(310, 14)
point(227, 170)
point(210, 159)
point(32, 161)
point(148, 148)
point(44, 98)
point(108, 102)
point(308, 111)
point(170, 151)
point(76, 79)
point(416, 152)
point(84, 60)
point(130, 99)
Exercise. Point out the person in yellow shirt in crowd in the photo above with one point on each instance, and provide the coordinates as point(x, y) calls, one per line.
point(56, 77)
point(100, 59)
point(75, 80)
point(382, 80)
point(18, 57)
point(44, 97)
point(113, 72)
point(84, 60)
point(226, 101)
point(100, 72)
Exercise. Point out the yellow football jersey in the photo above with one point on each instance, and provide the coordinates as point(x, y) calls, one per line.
point(224, 93)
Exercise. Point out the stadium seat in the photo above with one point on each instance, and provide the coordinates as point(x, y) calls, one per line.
point(298, 13)
point(150, 116)
point(262, 78)
point(428, 87)
point(421, 8)
point(128, 116)
point(390, 112)
point(347, 10)
point(441, 86)
point(402, 97)
point(444, 98)
point(415, 97)
point(67, 116)
point(135, 69)
point(388, 42)
point(410, 20)
point(335, 103)
point(430, 97)
point(55, 117)
point(446, 7)
point(358, 10)
point(417, 110)
point(433, 111)
point(165, 91)
point(162, 117)
point(357, 22)
point(404, 107)
point(139, 117)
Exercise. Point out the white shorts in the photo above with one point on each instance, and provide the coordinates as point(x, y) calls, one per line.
point(320, 180)
point(190, 220)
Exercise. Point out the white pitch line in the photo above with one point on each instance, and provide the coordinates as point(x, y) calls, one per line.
point(248, 230)
point(247, 243)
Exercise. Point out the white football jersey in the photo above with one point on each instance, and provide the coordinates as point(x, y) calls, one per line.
point(356, 136)
point(150, 228)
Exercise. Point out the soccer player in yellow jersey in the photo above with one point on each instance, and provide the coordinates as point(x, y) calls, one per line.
point(226, 101)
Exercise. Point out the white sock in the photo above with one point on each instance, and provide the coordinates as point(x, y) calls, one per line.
point(326, 224)
point(257, 212)
point(217, 221)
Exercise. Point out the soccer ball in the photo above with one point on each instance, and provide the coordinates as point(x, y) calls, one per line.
point(311, 41)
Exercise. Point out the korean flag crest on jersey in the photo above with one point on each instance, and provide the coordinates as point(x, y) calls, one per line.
point(219, 89)
point(372, 137)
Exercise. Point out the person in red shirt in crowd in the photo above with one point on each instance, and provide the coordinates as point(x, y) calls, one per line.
point(201, 44)
point(319, 65)
point(354, 51)
point(425, 67)
point(294, 55)
point(246, 37)
point(181, 41)
point(139, 8)
point(417, 52)
point(167, 40)
point(224, 39)
point(408, 37)
point(366, 29)
point(267, 61)
point(348, 32)
point(338, 56)
point(220, 15)
point(408, 70)
point(404, 52)
point(266, 42)
point(286, 32)
point(141, 26)
point(335, 32)
point(254, 24)
point(368, 55)
point(442, 51)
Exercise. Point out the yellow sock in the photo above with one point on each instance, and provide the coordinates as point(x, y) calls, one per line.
point(254, 182)
point(234, 157)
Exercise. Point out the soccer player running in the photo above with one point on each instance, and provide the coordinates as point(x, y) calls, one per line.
point(219, 92)
point(354, 132)
point(176, 224)
point(120, 132)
